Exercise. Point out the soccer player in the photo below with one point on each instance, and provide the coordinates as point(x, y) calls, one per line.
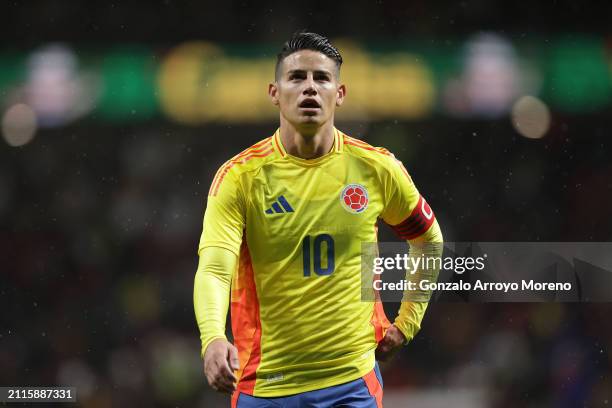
point(281, 242)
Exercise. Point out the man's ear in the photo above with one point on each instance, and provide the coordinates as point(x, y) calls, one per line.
point(341, 94)
point(273, 93)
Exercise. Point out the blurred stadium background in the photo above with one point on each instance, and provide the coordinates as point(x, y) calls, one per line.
point(115, 117)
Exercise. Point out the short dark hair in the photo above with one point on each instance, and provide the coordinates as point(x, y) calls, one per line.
point(303, 40)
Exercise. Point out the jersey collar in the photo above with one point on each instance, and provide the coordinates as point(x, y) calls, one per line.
point(337, 148)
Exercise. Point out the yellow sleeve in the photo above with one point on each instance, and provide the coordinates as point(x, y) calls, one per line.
point(412, 219)
point(400, 194)
point(219, 249)
point(211, 292)
point(225, 212)
point(411, 313)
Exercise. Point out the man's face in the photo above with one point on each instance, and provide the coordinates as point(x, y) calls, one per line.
point(307, 90)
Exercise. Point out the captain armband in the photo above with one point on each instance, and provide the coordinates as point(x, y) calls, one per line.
point(417, 223)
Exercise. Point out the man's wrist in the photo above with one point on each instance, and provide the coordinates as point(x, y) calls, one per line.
point(405, 339)
point(208, 342)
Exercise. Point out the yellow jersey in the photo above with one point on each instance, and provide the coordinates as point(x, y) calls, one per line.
point(298, 318)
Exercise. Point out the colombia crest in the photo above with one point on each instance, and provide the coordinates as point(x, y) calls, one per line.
point(354, 198)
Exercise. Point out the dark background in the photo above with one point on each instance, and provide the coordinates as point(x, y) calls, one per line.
point(99, 220)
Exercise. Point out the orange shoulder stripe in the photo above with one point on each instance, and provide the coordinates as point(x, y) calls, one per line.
point(256, 148)
point(359, 143)
point(403, 169)
point(238, 160)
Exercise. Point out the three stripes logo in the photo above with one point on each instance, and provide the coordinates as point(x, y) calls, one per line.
point(280, 206)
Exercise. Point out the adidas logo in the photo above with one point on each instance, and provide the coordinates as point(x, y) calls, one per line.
point(279, 205)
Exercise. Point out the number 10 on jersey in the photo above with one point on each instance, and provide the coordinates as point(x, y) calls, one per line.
point(315, 247)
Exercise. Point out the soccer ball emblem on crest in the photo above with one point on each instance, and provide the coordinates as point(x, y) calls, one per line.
point(354, 198)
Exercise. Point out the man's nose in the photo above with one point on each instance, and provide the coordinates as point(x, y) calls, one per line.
point(310, 88)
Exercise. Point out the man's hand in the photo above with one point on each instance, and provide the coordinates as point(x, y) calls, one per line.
point(220, 362)
point(390, 344)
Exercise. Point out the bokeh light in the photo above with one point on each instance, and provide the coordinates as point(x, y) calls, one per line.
point(531, 117)
point(19, 125)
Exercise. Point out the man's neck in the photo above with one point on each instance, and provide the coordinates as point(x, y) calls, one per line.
point(307, 144)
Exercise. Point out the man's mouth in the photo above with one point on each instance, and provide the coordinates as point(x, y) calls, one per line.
point(310, 104)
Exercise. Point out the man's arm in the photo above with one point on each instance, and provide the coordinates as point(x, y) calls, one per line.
point(413, 220)
point(211, 294)
point(427, 246)
point(411, 313)
point(219, 247)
